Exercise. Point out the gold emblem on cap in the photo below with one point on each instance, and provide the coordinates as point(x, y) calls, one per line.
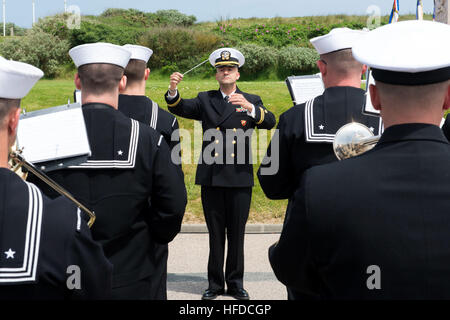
point(225, 55)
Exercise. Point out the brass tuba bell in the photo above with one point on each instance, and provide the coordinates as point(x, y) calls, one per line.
point(352, 140)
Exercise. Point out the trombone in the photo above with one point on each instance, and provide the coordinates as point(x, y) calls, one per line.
point(352, 140)
point(18, 161)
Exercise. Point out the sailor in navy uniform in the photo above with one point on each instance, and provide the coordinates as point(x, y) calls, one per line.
point(129, 168)
point(377, 226)
point(225, 171)
point(306, 132)
point(136, 105)
point(43, 242)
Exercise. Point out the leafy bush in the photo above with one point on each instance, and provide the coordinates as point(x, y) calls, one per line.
point(55, 25)
point(173, 17)
point(258, 58)
point(91, 32)
point(160, 17)
point(40, 49)
point(277, 35)
point(294, 60)
point(130, 17)
point(175, 48)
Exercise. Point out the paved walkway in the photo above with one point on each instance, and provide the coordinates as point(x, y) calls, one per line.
point(187, 268)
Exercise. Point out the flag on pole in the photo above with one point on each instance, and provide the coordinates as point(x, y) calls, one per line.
point(394, 13)
point(419, 10)
point(434, 11)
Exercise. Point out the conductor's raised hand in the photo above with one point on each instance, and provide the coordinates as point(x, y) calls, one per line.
point(175, 79)
point(239, 100)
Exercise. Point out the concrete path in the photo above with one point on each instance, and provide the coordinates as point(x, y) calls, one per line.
point(187, 268)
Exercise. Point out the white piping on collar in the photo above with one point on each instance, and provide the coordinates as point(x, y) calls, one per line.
point(120, 164)
point(27, 273)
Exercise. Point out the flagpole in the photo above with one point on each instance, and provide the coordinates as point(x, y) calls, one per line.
point(4, 18)
point(65, 6)
point(34, 13)
point(419, 10)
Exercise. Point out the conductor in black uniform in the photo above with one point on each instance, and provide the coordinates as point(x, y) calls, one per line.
point(305, 132)
point(135, 104)
point(46, 248)
point(377, 226)
point(130, 168)
point(225, 169)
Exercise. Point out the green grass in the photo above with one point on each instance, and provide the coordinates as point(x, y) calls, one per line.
point(275, 95)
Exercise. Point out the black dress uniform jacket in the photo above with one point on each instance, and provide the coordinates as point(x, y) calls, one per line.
point(145, 110)
point(217, 114)
point(386, 209)
point(306, 133)
point(130, 167)
point(41, 240)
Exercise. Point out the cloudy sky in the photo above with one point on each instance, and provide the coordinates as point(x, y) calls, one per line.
point(20, 11)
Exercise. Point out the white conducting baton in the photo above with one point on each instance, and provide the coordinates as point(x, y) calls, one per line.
point(200, 64)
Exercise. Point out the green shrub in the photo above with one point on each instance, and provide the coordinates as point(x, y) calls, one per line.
point(91, 32)
point(160, 17)
point(55, 25)
point(297, 61)
point(177, 48)
point(257, 58)
point(40, 49)
point(130, 17)
point(173, 17)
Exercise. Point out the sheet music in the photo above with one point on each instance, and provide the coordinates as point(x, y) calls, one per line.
point(368, 107)
point(305, 88)
point(52, 134)
point(77, 96)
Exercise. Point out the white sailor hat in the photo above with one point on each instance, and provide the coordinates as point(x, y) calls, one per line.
point(139, 52)
point(17, 78)
point(412, 52)
point(337, 39)
point(100, 53)
point(226, 57)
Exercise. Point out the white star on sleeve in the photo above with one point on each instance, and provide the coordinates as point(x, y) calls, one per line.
point(120, 152)
point(321, 127)
point(10, 254)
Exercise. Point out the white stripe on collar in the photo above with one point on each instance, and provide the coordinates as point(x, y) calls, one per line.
point(27, 273)
point(154, 119)
point(311, 136)
point(117, 164)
